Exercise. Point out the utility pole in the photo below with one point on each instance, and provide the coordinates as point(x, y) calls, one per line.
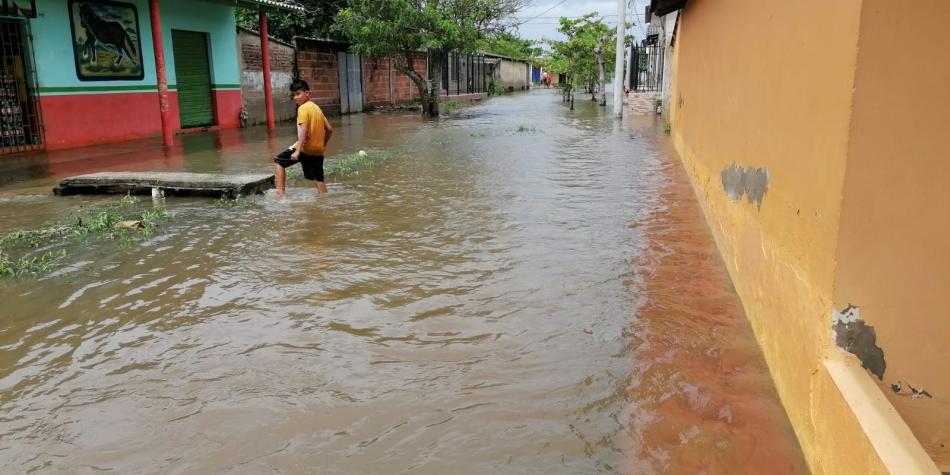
point(618, 63)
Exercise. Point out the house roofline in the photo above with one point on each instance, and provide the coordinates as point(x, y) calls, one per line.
point(270, 37)
point(278, 4)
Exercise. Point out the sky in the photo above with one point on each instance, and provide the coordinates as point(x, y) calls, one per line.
point(540, 23)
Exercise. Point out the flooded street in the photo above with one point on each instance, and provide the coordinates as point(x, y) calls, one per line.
point(517, 288)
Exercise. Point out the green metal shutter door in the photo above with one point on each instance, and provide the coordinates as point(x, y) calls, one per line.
point(193, 73)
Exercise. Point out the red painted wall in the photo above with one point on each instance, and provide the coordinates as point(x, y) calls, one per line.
point(86, 119)
point(227, 108)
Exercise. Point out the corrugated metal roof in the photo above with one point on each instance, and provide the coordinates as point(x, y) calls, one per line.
point(509, 58)
point(273, 4)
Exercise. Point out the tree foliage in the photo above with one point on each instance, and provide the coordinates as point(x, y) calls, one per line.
point(586, 57)
point(511, 45)
point(315, 22)
point(404, 29)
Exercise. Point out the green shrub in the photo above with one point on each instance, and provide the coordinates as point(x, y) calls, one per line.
point(495, 89)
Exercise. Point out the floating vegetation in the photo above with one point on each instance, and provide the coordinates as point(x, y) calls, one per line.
point(479, 135)
point(523, 129)
point(226, 202)
point(344, 165)
point(290, 173)
point(39, 264)
point(24, 252)
point(667, 128)
point(354, 163)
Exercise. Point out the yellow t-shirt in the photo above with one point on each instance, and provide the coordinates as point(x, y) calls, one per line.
point(310, 115)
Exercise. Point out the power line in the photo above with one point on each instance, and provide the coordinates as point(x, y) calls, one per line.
point(547, 20)
point(542, 13)
point(580, 16)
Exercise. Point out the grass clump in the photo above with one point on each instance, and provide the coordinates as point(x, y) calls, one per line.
point(523, 129)
point(344, 165)
point(355, 162)
point(449, 104)
point(24, 252)
point(227, 202)
point(128, 200)
point(39, 264)
point(495, 89)
point(667, 129)
point(291, 173)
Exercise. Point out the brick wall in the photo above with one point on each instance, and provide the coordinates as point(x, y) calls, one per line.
point(377, 77)
point(382, 85)
point(252, 77)
point(317, 63)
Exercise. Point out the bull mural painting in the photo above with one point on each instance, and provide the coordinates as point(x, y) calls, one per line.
point(106, 40)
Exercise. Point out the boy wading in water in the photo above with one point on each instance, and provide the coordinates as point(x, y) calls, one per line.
point(313, 133)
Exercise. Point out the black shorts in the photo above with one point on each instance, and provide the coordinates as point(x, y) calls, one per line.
point(312, 164)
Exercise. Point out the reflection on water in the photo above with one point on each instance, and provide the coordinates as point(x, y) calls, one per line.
point(470, 305)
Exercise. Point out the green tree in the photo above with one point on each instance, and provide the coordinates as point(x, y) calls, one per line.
point(315, 22)
point(511, 45)
point(404, 29)
point(582, 58)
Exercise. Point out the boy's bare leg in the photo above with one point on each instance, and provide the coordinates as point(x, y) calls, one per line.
point(280, 180)
point(321, 186)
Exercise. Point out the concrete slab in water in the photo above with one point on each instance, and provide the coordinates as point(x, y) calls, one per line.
point(172, 183)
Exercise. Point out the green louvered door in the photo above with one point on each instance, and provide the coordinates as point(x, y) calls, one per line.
point(193, 77)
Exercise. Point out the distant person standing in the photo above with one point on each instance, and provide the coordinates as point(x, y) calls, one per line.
point(313, 134)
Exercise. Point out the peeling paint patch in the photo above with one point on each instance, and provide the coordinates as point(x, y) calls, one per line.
point(753, 183)
point(914, 393)
point(856, 337)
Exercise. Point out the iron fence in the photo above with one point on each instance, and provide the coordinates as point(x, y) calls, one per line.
point(646, 73)
point(463, 73)
point(20, 121)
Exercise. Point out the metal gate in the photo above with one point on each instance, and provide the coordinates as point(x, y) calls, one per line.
point(350, 68)
point(193, 78)
point(20, 120)
point(646, 71)
point(461, 74)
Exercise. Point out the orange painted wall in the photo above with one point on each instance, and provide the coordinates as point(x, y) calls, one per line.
point(768, 85)
point(893, 252)
point(847, 119)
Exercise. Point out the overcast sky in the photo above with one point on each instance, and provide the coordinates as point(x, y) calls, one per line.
point(540, 23)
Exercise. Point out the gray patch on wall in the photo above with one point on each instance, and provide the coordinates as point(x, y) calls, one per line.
point(753, 183)
point(915, 393)
point(858, 338)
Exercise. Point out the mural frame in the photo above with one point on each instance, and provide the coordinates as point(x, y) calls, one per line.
point(79, 61)
point(12, 7)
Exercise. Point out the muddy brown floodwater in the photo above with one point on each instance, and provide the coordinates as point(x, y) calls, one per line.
point(517, 289)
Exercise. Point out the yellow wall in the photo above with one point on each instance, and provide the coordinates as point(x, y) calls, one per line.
point(894, 238)
point(770, 85)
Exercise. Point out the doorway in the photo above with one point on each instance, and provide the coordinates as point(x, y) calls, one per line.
point(20, 121)
point(193, 78)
